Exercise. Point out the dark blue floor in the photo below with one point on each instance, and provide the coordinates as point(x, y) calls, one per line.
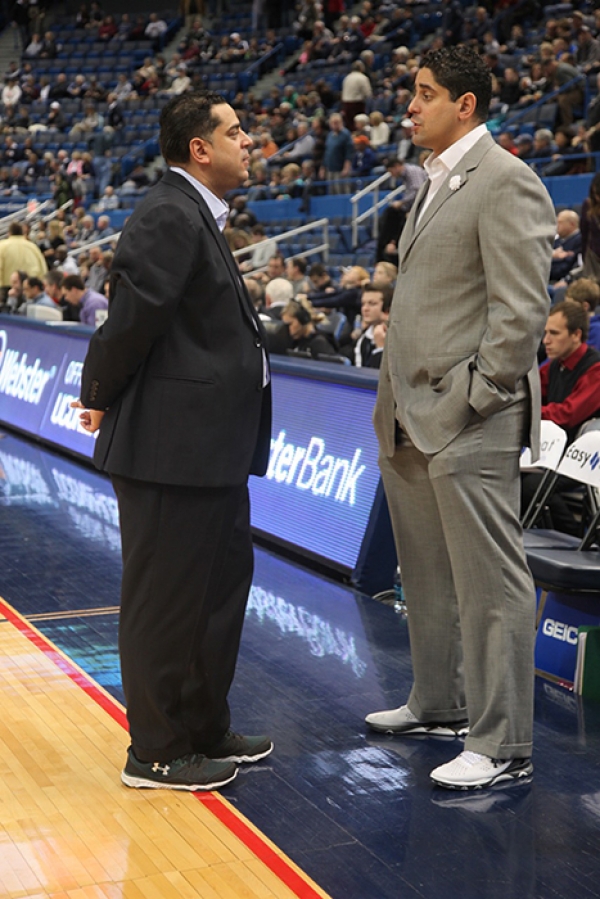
point(356, 811)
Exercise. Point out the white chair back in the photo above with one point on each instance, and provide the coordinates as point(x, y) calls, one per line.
point(553, 440)
point(581, 462)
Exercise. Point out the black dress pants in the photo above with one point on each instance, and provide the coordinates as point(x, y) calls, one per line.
point(187, 571)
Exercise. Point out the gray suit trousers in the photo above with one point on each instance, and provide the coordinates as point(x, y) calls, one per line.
point(469, 594)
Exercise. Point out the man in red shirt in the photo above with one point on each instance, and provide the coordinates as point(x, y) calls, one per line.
point(570, 380)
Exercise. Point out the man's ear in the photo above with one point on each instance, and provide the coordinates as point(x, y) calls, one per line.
point(467, 107)
point(198, 151)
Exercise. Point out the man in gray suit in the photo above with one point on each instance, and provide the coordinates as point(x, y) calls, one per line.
point(458, 396)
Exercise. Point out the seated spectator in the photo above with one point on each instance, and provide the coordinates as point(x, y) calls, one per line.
point(49, 47)
point(267, 145)
point(379, 134)
point(66, 264)
point(507, 142)
point(15, 295)
point(570, 380)
point(98, 272)
point(84, 301)
point(305, 337)
point(303, 146)
point(91, 121)
point(109, 200)
point(321, 281)
point(278, 293)
point(385, 273)
point(364, 159)
point(56, 117)
point(262, 249)
point(34, 47)
point(524, 145)
point(155, 31)
point(53, 288)
point(346, 298)
point(567, 245)
point(108, 29)
point(587, 292)
point(374, 310)
point(35, 295)
point(181, 81)
point(295, 272)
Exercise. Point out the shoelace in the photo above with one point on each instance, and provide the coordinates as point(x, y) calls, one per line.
point(471, 758)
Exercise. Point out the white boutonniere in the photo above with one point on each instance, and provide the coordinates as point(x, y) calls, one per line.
point(455, 183)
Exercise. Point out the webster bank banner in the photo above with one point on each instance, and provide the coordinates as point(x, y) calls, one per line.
point(318, 493)
point(40, 374)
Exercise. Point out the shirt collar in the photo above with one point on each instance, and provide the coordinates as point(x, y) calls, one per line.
point(218, 207)
point(450, 158)
point(571, 361)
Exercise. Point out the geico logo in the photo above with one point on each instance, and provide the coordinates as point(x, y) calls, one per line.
point(558, 630)
point(311, 468)
point(20, 380)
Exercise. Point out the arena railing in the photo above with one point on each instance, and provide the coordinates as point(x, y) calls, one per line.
point(288, 235)
point(373, 211)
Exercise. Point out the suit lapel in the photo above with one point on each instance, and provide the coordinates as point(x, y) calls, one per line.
point(468, 163)
point(184, 185)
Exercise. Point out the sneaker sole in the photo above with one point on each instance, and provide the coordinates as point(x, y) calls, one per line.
point(499, 778)
point(240, 759)
point(142, 783)
point(435, 730)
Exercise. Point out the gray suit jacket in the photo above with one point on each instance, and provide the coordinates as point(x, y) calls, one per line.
point(470, 303)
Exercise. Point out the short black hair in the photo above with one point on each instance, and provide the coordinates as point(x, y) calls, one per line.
point(461, 70)
point(35, 282)
point(71, 281)
point(186, 116)
point(575, 316)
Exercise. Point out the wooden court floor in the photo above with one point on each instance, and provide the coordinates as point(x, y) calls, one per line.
point(70, 830)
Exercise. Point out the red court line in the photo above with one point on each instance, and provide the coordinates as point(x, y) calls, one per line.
point(213, 802)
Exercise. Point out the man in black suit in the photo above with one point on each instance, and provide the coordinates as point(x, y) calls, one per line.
point(177, 381)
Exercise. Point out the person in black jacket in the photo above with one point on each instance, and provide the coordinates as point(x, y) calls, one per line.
point(177, 381)
point(305, 337)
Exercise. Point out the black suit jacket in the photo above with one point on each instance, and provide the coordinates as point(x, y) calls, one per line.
point(178, 364)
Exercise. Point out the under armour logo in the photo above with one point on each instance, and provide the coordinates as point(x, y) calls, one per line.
point(594, 461)
point(156, 767)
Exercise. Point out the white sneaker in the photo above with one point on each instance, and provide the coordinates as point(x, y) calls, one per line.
point(402, 721)
point(471, 771)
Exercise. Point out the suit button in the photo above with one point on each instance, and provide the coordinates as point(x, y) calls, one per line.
point(257, 342)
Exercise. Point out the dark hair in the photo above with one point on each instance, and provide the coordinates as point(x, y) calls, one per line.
point(318, 269)
point(15, 228)
point(298, 311)
point(300, 263)
point(70, 281)
point(54, 277)
point(186, 116)
point(461, 70)
point(34, 282)
point(575, 315)
point(386, 291)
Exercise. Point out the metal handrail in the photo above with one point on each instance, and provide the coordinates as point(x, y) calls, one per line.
point(321, 248)
point(94, 243)
point(372, 188)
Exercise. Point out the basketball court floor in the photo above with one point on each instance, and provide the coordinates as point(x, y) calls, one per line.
point(335, 811)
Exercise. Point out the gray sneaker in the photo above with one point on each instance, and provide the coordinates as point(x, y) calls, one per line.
point(190, 772)
point(402, 721)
